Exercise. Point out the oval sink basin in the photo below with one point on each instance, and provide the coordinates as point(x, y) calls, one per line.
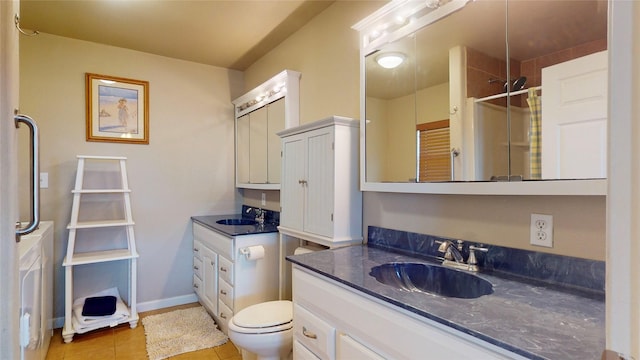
point(237, 222)
point(432, 279)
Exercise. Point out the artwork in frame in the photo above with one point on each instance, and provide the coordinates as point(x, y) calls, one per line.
point(117, 109)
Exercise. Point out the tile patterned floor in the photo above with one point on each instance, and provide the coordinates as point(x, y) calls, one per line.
point(124, 343)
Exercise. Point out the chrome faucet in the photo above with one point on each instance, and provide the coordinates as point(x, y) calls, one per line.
point(450, 251)
point(453, 255)
point(260, 213)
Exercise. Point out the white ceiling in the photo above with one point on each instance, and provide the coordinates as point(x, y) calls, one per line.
point(229, 34)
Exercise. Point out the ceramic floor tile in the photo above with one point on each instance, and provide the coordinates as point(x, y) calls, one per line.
point(102, 353)
point(227, 351)
point(205, 354)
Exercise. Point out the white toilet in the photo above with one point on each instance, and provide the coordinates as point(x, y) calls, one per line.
point(264, 329)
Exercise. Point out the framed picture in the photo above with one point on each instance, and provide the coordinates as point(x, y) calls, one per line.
point(117, 109)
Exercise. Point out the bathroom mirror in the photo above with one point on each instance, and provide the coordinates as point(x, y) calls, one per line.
point(451, 120)
point(259, 115)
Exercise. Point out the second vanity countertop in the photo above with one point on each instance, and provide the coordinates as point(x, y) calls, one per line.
point(530, 319)
point(209, 221)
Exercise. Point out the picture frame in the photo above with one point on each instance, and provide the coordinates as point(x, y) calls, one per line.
point(117, 109)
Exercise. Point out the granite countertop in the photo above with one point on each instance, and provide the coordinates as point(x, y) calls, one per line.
point(532, 319)
point(209, 221)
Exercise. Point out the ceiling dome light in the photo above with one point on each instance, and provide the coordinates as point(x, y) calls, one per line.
point(390, 60)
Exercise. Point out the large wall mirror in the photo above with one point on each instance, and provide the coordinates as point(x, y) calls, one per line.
point(485, 91)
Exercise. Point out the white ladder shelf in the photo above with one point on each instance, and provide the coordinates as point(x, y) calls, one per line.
point(102, 255)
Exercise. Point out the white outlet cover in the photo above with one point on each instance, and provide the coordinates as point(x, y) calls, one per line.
point(541, 230)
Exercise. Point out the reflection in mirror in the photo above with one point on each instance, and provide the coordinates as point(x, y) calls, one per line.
point(391, 107)
point(565, 64)
point(457, 90)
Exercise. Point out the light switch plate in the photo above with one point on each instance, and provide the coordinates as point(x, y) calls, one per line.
point(44, 180)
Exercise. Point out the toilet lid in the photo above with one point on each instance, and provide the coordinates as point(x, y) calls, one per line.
point(267, 314)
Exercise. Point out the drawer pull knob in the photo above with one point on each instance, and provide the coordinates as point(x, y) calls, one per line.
point(222, 315)
point(195, 286)
point(196, 268)
point(222, 268)
point(213, 263)
point(196, 249)
point(308, 334)
point(223, 292)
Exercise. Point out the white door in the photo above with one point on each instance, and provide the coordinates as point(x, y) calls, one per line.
point(276, 117)
point(574, 118)
point(9, 86)
point(258, 146)
point(293, 182)
point(320, 182)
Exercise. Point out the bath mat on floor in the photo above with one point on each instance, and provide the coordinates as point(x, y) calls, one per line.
point(180, 331)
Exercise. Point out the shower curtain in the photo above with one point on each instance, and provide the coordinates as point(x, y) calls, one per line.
point(535, 156)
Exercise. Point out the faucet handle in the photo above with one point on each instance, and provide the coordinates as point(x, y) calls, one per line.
point(472, 254)
point(444, 245)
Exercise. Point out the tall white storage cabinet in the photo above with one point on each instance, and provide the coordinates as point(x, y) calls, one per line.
point(320, 198)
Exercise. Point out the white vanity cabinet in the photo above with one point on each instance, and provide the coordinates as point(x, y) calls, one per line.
point(224, 280)
point(320, 198)
point(205, 275)
point(332, 321)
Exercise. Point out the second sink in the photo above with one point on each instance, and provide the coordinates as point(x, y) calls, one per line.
point(236, 222)
point(432, 279)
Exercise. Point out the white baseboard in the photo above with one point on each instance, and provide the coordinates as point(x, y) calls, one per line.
point(165, 303)
point(148, 306)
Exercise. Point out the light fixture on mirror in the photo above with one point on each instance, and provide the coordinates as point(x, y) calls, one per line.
point(390, 60)
point(433, 4)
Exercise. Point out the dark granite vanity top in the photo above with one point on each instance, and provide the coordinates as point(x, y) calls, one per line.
point(531, 318)
point(272, 220)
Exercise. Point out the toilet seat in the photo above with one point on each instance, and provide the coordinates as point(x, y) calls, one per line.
point(267, 317)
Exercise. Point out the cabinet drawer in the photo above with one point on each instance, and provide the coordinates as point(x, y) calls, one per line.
point(226, 293)
point(219, 243)
point(197, 249)
point(225, 270)
point(197, 267)
point(302, 353)
point(224, 314)
point(314, 333)
point(197, 286)
point(349, 348)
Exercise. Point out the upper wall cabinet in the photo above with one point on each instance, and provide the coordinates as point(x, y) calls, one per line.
point(260, 114)
point(501, 97)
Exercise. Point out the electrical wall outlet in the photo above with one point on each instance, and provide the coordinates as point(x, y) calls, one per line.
point(541, 230)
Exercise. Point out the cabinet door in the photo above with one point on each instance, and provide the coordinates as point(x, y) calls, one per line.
point(275, 119)
point(242, 149)
point(258, 146)
point(293, 178)
point(320, 183)
point(210, 279)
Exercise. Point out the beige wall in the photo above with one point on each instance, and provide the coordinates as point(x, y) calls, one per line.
point(326, 52)
point(187, 168)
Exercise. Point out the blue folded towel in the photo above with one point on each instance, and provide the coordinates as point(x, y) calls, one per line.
point(99, 306)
